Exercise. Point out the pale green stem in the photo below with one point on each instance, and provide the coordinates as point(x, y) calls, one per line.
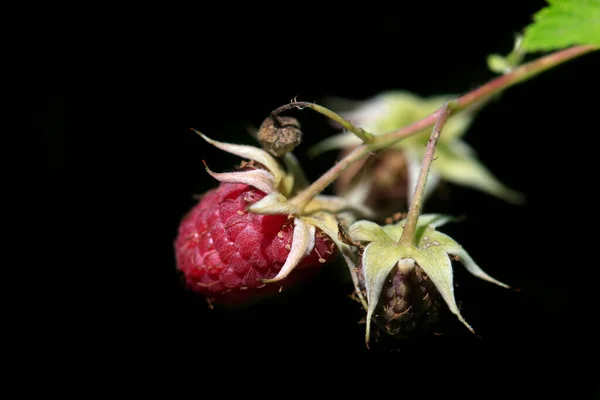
point(409, 235)
point(365, 136)
point(491, 88)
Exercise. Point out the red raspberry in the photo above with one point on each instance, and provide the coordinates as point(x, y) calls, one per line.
point(225, 252)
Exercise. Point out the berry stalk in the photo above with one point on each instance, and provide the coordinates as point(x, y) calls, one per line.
point(484, 92)
point(409, 234)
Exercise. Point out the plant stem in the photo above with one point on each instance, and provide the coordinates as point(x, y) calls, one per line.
point(409, 235)
point(482, 93)
point(305, 196)
point(365, 136)
point(493, 87)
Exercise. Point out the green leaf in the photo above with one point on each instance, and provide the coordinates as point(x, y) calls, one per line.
point(437, 265)
point(378, 260)
point(367, 231)
point(505, 64)
point(450, 246)
point(273, 203)
point(425, 221)
point(564, 23)
point(295, 179)
point(429, 222)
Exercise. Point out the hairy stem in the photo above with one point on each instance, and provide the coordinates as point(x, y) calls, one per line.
point(409, 235)
point(365, 136)
point(495, 86)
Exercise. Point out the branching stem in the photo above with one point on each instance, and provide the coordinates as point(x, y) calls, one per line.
point(493, 87)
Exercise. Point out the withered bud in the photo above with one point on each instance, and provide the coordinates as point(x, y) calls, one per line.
point(279, 135)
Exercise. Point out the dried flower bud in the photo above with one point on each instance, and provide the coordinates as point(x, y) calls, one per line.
point(279, 135)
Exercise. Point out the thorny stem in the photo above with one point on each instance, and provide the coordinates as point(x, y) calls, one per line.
point(379, 142)
point(409, 235)
point(365, 136)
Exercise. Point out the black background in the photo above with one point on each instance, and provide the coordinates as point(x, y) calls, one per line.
point(119, 143)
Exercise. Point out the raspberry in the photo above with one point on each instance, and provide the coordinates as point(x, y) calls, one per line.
point(225, 252)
